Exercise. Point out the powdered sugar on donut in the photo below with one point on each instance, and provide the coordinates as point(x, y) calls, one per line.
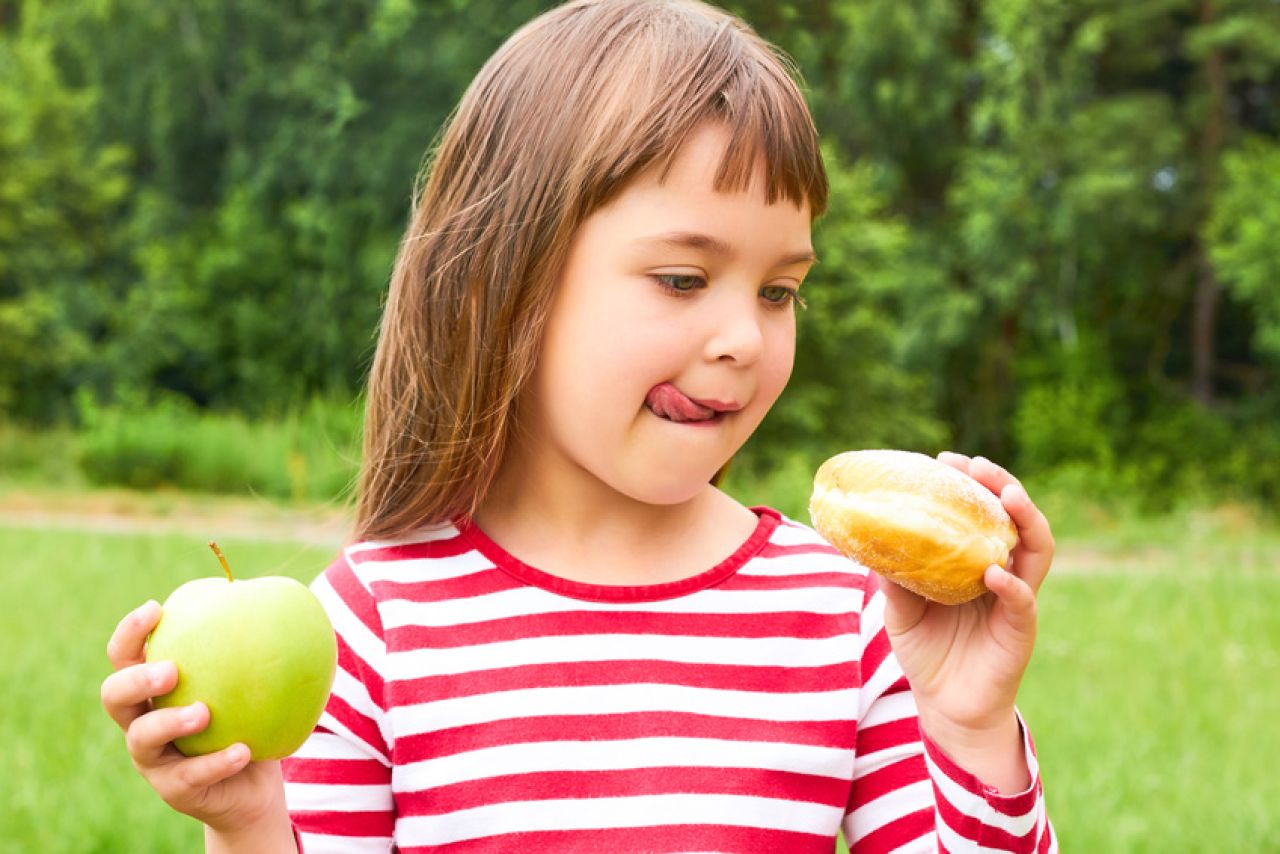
point(908, 471)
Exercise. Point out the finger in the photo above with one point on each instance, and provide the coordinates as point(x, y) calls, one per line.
point(956, 461)
point(128, 641)
point(1034, 552)
point(903, 608)
point(990, 475)
point(125, 693)
point(201, 772)
point(149, 735)
point(1016, 599)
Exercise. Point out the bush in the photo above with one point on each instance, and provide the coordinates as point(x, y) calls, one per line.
point(311, 454)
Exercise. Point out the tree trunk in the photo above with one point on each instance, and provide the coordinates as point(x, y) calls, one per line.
point(1208, 290)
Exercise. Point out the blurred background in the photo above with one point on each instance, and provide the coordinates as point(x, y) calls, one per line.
point(1054, 240)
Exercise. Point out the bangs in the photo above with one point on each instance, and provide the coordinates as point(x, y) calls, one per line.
point(662, 73)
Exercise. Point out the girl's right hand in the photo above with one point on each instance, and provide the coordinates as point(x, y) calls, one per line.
point(224, 790)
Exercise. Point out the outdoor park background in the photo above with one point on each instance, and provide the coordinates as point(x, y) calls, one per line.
point(1053, 241)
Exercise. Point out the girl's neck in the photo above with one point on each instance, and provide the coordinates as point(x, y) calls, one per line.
point(599, 536)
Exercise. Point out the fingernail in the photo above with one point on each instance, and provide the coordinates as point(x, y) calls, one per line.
point(158, 672)
point(191, 714)
point(143, 612)
point(237, 754)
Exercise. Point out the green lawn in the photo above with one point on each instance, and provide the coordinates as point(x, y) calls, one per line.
point(1154, 696)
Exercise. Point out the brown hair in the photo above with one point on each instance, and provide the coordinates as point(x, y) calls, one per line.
point(570, 108)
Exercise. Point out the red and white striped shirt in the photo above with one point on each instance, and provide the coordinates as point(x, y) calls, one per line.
point(481, 705)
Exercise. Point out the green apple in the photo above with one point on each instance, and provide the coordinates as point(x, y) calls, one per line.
point(259, 653)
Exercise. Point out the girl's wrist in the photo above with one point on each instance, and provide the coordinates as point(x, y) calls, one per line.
point(994, 753)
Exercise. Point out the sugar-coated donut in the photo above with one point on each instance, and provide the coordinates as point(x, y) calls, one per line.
point(914, 520)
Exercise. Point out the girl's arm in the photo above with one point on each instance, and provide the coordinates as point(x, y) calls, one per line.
point(939, 688)
point(908, 789)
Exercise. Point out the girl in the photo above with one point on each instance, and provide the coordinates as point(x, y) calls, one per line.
point(555, 632)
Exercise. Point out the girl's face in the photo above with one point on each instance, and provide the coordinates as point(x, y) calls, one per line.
point(674, 284)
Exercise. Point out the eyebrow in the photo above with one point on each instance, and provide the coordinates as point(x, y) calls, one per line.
point(716, 246)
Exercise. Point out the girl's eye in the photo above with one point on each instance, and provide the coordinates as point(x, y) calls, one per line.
point(678, 282)
point(779, 295)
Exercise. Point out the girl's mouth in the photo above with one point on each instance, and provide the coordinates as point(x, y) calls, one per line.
point(670, 404)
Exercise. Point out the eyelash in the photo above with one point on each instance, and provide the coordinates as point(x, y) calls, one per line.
point(792, 295)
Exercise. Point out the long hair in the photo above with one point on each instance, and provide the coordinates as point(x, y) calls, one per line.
point(572, 106)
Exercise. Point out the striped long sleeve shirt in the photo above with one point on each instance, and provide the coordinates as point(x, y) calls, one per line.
point(482, 705)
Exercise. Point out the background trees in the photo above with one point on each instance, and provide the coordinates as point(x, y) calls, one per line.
point(1051, 239)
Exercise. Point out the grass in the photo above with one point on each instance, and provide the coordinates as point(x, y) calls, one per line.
point(70, 786)
point(1153, 695)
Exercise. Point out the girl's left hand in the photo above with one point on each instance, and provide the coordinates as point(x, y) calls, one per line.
point(965, 662)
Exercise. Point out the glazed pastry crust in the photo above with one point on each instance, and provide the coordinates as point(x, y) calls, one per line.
point(914, 520)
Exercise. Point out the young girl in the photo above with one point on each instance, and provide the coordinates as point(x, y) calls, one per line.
point(555, 632)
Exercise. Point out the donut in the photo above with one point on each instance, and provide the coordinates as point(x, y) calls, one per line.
point(914, 520)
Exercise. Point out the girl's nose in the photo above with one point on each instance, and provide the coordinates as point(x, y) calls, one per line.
point(736, 332)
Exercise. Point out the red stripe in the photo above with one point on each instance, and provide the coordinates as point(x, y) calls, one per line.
point(973, 829)
point(802, 580)
point(878, 649)
point(724, 677)
point(788, 624)
point(362, 725)
point(781, 550)
point(618, 727)
point(669, 837)
point(886, 735)
point(345, 823)
point(363, 673)
point(1046, 837)
point(896, 833)
point(448, 547)
point(343, 580)
point(629, 782)
point(479, 583)
point(342, 772)
point(882, 781)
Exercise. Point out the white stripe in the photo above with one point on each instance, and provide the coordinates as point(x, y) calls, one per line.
point(347, 687)
point(349, 627)
point(803, 564)
point(796, 534)
point(523, 601)
point(877, 759)
point(638, 811)
point(876, 813)
point(620, 699)
point(976, 806)
point(568, 755)
point(314, 843)
point(423, 535)
point(337, 797)
point(557, 649)
point(957, 843)
point(926, 844)
point(894, 707)
point(422, 569)
point(325, 745)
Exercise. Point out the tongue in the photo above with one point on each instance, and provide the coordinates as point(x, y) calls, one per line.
point(669, 402)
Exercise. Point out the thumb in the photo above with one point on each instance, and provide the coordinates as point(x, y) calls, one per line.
point(903, 609)
point(1015, 598)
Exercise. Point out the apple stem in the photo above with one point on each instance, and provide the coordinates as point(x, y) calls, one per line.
point(222, 559)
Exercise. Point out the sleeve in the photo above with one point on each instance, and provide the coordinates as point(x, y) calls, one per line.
point(338, 784)
point(908, 795)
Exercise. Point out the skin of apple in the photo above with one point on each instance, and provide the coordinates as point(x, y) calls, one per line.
point(260, 653)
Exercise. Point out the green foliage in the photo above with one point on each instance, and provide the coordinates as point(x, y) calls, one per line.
point(308, 454)
point(1243, 234)
point(1032, 203)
